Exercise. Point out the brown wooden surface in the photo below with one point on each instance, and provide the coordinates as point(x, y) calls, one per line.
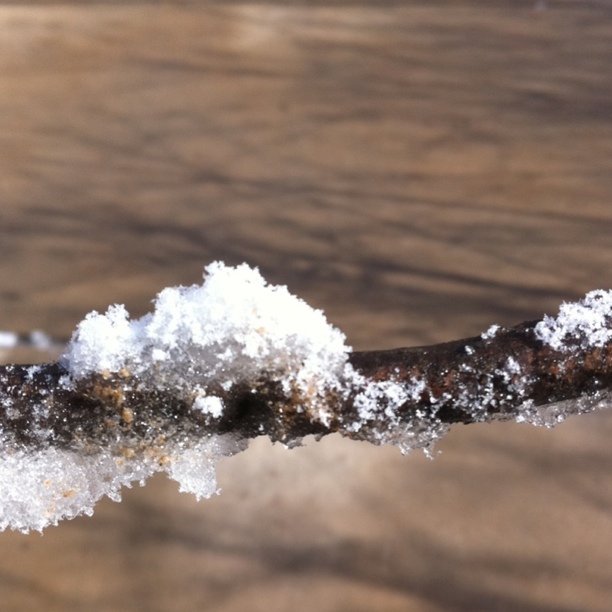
point(419, 170)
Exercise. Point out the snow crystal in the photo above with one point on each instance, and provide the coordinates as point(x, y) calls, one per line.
point(377, 397)
point(587, 323)
point(512, 365)
point(490, 333)
point(377, 405)
point(209, 404)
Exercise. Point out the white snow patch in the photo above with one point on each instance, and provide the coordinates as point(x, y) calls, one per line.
point(512, 365)
point(490, 333)
point(194, 468)
point(232, 328)
point(209, 404)
point(380, 396)
point(39, 488)
point(586, 323)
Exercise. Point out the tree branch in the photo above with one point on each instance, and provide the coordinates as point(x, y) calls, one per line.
point(511, 375)
point(215, 365)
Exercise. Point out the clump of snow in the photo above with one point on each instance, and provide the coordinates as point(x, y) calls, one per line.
point(586, 323)
point(209, 404)
point(38, 488)
point(378, 405)
point(194, 467)
point(512, 365)
point(233, 328)
point(491, 332)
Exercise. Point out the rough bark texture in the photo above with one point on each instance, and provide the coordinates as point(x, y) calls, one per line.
point(464, 381)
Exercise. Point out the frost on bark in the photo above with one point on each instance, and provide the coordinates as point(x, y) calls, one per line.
point(512, 376)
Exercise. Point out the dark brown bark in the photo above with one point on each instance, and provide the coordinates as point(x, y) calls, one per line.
point(470, 380)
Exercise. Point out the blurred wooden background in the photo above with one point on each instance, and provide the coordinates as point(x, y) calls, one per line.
point(420, 170)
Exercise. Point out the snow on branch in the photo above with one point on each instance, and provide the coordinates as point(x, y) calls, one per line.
point(217, 364)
